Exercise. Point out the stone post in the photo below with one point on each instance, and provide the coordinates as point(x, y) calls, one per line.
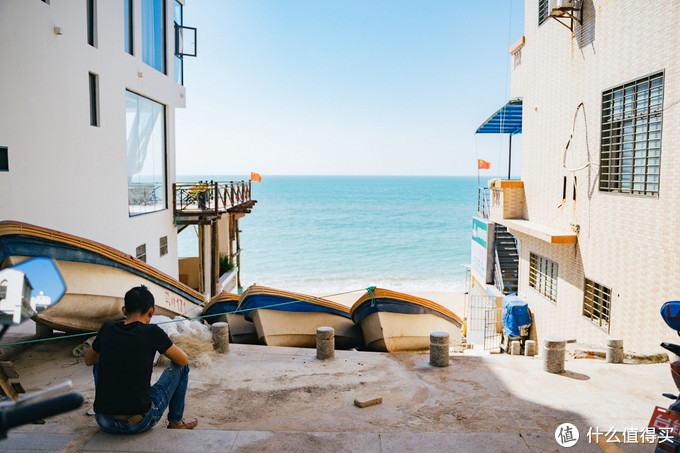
point(439, 349)
point(515, 348)
point(614, 350)
point(325, 343)
point(530, 348)
point(553, 357)
point(220, 336)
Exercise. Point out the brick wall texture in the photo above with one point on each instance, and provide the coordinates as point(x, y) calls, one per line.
point(628, 243)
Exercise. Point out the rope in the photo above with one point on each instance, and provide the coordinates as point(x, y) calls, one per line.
point(370, 289)
point(61, 337)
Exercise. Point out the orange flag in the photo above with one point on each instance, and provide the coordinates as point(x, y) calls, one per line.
point(257, 177)
point(482, 164)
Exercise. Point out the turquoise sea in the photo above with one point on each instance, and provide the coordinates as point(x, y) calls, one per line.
point(328, 234)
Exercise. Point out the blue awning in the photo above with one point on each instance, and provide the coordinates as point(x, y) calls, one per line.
point(507, 120)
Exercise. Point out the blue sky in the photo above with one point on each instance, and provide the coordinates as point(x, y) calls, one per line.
point(356, 87)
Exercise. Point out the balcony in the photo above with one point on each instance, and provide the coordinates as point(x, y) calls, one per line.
point(504, 202)
point(203, 202)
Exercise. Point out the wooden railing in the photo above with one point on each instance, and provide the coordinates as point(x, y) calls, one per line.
point(209, 197)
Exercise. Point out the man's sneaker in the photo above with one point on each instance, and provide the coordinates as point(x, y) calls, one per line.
point(187, 423)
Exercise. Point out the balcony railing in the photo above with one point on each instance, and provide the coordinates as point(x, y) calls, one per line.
point(211, 198)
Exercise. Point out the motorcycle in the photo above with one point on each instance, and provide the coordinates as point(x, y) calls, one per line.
point(25, 290)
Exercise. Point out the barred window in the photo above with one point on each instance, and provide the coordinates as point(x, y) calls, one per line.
point(597, 303)
point(141, 252)
point(164, 245)
point(631, 136)
point(543, 276)
point(542, 12)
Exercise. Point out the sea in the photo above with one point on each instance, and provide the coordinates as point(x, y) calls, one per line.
point(330, 234)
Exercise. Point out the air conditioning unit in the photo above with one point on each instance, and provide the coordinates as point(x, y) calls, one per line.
point(558, 7)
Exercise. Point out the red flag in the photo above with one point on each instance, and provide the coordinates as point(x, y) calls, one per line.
point(482, 164)
point(255, 177)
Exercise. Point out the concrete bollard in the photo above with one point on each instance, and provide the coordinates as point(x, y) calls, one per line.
point(530, 348)
point(614, 350)
point(220, 336)
point(515, 348)
point(553, 357)
point(439, 349)
point(325, 343)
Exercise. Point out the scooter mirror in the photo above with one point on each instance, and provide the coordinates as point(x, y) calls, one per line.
point(29, 288)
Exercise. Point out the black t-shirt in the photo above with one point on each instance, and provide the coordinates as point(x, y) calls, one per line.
point(126, 353)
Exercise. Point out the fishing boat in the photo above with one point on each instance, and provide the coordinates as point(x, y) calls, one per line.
point(283, 318)
point(96, 276)
point(224, 307)
point(395, 322)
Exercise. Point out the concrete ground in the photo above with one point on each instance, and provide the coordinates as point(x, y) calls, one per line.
point(259, 398)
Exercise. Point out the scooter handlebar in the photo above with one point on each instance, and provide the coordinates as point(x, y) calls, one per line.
point(674, 348)
point(37, 411)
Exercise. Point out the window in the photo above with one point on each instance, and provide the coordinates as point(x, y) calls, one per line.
point(91, 22)
point(542, 12)
point(140, 252)
point(597, 301)
point(164, 245)
point(3, 289)
point(145, 129)
point(4, 159)
point(630, 150)
point(153, 33)
point(94, 99)
point(127, 19)
point(179, 61)
point(543, 276)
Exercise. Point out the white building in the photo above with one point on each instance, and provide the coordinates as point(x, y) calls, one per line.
point(87, 122)
point(596, 211)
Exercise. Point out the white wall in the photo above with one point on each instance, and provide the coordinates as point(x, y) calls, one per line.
point(65, 174)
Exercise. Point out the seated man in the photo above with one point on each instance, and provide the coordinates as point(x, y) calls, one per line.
point(122, 355)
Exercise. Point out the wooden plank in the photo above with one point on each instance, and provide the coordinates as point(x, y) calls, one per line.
point(7, 387)
point(7, 369)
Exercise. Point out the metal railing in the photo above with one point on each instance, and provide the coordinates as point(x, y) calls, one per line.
point(209, 197)
point(483, 201)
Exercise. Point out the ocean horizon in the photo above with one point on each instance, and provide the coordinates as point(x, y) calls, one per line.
point(330, 234)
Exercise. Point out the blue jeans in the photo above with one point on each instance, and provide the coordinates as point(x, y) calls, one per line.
point(169, 390)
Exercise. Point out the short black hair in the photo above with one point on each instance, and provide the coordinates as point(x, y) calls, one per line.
point(138, 300)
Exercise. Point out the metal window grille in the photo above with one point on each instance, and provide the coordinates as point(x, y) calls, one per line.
point(631, 136)
point(141, 252)
point(597, 303)
point(542, 12)
point(543, 276)
point(164, 245)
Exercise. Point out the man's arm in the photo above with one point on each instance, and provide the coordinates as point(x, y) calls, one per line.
point(91, 357)
point(176, 355)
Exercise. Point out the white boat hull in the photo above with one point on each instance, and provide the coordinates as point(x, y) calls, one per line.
point(401, 332)
point(94, 295)
point(298, 329)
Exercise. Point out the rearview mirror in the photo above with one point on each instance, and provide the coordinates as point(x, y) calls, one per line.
point(29, 288)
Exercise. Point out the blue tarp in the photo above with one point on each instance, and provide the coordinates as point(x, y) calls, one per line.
point(507, 120)
point(515, 314)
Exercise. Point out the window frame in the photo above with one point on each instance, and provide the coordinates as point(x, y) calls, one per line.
point(164, 174)
point(631, 129)
point(4, 158)
point(162, 34)
point(543, 5)
point(163, 245)
point(140, 252)
point(93, 87)
point(594, 306)
point(128, 26)
point(543, 276)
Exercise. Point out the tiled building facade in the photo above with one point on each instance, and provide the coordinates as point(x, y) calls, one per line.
point(613, 86)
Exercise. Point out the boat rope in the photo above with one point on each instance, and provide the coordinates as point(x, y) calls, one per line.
point(370, 289)
point(62, 337)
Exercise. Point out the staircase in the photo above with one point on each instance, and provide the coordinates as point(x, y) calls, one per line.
point(506, 260)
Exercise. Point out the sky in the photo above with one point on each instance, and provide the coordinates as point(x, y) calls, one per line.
point(346, 87)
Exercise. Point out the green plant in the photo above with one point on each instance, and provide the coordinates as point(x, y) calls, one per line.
point(225, 264)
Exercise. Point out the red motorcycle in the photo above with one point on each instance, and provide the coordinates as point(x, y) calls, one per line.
point(666, 422)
